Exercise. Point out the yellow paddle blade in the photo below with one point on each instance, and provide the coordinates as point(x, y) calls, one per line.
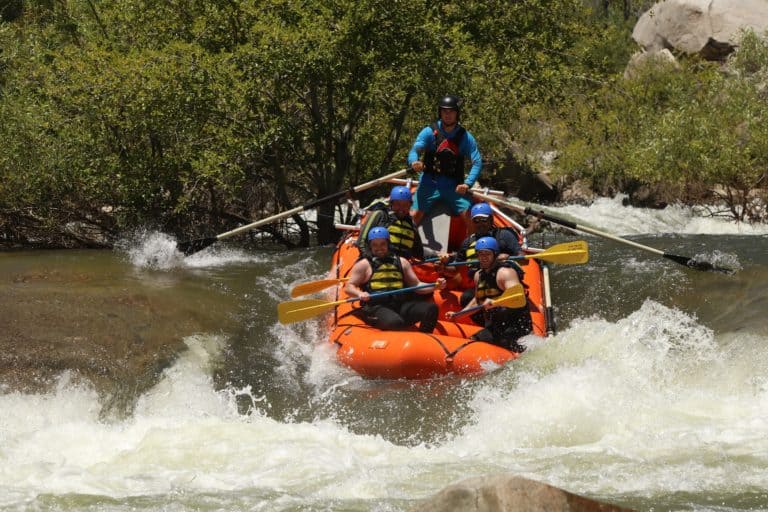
point(512, 297)
point(297, 310)
point(569, 253)
point(315, 286)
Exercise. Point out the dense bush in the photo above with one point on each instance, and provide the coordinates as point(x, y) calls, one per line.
point(696, 130)
point(196, 116)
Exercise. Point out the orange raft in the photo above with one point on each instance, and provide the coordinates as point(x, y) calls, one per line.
point(411, 354)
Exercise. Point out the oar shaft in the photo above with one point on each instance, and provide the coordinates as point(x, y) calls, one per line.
point(466, 312)
point(682, 260)
point(296, 311)
point(593, 231)
point(310, 205)
point(475, 262)
point(393, 292)
point(567, 223)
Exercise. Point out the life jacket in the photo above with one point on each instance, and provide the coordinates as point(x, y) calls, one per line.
point(471, 253)
point(446, 159)
point(487, 287)
point(402, 235)
point(387, 275)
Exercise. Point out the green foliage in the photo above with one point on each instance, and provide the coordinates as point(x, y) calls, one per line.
point(683, 127)
point(194, 115)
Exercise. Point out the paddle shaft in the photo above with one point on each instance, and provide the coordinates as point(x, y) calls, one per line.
point(391, 292)
point(298, 310)
point(567, 253)
point(567, 223)
point(682, 260)
point(312, 204)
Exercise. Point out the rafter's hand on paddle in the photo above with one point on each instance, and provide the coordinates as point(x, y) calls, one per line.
point(489, 304)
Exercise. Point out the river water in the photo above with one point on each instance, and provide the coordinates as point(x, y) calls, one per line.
point(653, 394)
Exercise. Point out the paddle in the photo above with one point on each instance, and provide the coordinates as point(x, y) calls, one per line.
point(682, 260)
point(315, 286)
point(512, 298)
point(298, 310)
point(322, 284)
point(568, 253)
point(194, 246)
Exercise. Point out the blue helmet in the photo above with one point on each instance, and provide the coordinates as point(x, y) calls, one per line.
point(487, 243)
point(378, 232)
point(481, 209)
point(400, 193)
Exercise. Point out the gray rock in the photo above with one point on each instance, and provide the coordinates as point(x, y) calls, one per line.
point(643, 58)
point(509, 493)
point(710, 28)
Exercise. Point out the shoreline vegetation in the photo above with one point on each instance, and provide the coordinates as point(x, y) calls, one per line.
point(136, 114)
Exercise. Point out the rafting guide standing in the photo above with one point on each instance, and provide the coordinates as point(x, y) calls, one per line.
point(444, 146)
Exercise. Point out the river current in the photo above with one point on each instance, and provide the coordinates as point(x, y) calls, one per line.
point(652, 395)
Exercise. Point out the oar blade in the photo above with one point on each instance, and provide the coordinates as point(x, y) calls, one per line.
point(569, 253)
point(194, 246)
point(298, 310)
point(512, 297)
point(314, 286)
point(704, 266)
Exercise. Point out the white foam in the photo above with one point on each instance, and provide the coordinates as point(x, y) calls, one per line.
point(156, 250)
point(609, 215)
point(650, 396)
point(652, 404)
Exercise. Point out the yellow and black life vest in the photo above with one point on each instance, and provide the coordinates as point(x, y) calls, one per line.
point(487, 288)
point(471, 254)
point(387, 274)
point(401, 235)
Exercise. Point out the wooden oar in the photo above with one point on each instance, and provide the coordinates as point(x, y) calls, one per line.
point(194, 246)
point(567, 253)
point(298, 310)
point(682, 260)
point(512, 298)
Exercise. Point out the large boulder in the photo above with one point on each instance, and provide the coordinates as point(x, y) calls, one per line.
point(710, 28)
point(509, 493)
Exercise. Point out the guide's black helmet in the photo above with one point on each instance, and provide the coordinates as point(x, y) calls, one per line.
point(450, 103)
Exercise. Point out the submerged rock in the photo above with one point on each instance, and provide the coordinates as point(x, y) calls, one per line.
point(509, 493)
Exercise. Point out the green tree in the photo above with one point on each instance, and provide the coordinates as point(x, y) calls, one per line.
point(198, 115)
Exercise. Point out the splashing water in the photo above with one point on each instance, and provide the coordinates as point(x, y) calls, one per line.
point(610, 215)
point(156, 250)
point(650, 406)
point(151, 249)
